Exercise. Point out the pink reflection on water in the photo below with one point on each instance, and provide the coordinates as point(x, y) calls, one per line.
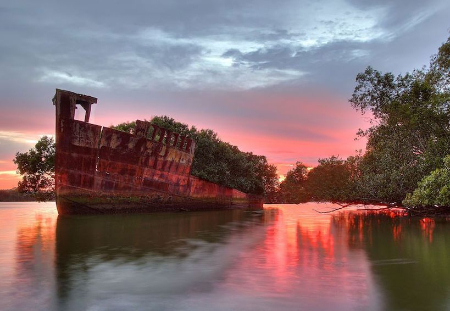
point(306, 254)
point(427, 224)
point(27, 274)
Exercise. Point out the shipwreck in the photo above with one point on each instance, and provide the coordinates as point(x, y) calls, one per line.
point(102, 170)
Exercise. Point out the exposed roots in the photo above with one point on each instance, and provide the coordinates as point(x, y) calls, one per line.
point(431, 211)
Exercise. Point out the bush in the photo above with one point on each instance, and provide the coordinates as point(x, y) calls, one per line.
point(433, 190)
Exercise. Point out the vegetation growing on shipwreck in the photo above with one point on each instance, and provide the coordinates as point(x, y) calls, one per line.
point(406, 161)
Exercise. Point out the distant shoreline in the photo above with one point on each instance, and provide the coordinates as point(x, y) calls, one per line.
point(13, 195)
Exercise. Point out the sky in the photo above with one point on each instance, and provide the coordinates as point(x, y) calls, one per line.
point(272, 77)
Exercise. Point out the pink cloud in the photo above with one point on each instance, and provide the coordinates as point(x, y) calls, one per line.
point(284, 127)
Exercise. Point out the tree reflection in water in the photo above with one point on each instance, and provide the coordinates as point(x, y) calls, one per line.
point(410, 256)
point(285, 257)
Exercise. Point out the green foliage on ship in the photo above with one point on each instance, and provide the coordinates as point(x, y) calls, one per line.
point(220, 162)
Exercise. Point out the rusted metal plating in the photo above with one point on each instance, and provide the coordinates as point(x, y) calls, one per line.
point(103, 170)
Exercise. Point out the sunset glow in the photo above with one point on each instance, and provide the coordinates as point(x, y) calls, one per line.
point(271, 78)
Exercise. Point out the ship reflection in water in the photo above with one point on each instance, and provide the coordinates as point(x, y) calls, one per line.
point(287, 257)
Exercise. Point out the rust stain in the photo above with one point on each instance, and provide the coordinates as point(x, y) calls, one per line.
point(103, 170)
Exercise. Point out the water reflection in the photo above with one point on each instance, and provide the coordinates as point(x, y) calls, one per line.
point(288, 257)
point(145, 254)
point(27, 244)
point(304, 262)
point(410, 257)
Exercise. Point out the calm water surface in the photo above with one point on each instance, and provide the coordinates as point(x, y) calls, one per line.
point(288, 257)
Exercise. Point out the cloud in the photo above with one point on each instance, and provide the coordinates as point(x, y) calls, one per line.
point(281, 70)
point(65, 77)
point(198, 45)
point(11, 143)
point(157, 46)
point(19, 137)
point(8, 173)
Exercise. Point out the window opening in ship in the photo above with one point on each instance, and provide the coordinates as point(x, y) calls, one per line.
point(82, 111)
point(79, 113)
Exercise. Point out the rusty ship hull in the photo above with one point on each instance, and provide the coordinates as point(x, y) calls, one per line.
point(103, 170)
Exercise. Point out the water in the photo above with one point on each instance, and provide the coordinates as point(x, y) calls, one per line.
point(288, 257)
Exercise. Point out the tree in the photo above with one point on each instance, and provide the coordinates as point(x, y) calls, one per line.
point(292, 187)
point(332, 180)
point(220, 162)
point(265, 177)
point(411, 127)
point(37, 167)
point(128, 127)
point(433, 190)
point(172, 125)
